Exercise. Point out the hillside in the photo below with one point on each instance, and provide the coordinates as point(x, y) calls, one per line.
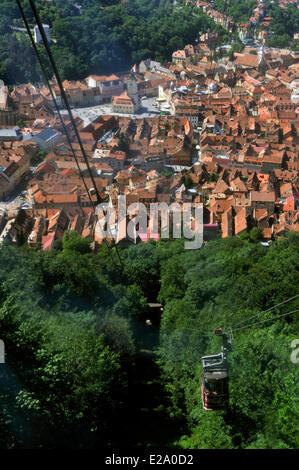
point(102, 37)
point(75, 374)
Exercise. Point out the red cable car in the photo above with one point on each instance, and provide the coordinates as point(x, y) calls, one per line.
point(214, 377)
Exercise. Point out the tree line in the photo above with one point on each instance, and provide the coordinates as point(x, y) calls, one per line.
point(284, 24)
point(104, 37)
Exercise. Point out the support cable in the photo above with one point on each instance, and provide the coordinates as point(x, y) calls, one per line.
point(52, 95)
point(63, 94)
point(56, 73)
point(268, 319)
point(265, 311)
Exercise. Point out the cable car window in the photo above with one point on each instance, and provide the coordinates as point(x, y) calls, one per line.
point(225, 387)
point(211, 387)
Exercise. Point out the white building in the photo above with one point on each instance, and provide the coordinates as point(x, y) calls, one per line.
point(37, 35)
point(132, 90)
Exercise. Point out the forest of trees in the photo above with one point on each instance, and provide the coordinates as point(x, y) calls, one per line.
point(107, 36)
point(240, 12)
point(284, 25)
point(74, 374)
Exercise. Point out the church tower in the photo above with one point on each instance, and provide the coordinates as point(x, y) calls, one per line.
point(132, 90)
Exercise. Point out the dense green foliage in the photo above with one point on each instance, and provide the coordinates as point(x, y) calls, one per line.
point(123, 142)
point(221, 285)
point(236, 47)
point(74, 377)
point(284, 25)
point(240, 12)
point(105, 37)
point(65, 379)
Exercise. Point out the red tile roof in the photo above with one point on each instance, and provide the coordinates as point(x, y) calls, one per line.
point(262, 196)
point(48, 241)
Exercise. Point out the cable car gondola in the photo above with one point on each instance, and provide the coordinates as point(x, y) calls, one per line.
point(214, 377)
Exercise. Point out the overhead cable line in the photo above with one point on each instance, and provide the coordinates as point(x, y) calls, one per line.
point(182, 332)
point(265, 311)
point(56, 73)
point(52, 95)
point(268, 319)
point(62, 91)
point(56, 106)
